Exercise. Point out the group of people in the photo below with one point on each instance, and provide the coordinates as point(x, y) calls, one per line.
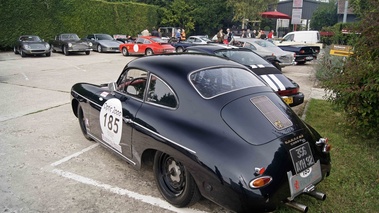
point(180, 34)
point(228, 37)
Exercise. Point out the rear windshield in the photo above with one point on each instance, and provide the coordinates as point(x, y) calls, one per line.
point(245, 57)
point(210, 83)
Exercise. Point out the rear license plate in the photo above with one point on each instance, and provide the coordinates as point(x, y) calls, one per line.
point(302, 157)
point(309, 58)
point(308, 177)
point(288, 100)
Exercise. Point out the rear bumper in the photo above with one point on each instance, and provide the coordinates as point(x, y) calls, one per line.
point(297, 99)
point(301, 58)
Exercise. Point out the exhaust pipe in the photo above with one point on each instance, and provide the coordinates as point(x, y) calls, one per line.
point(297, 206)
point(317, 195)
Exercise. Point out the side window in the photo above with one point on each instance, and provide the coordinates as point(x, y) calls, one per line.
point(139, 41)
point(160, 93)
point(133, 83)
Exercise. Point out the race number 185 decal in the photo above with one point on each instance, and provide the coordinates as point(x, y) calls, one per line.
point(111, 122)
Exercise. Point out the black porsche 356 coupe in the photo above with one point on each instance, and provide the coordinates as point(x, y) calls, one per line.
point(212, 128)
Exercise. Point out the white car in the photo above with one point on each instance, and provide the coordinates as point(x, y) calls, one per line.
point(266, 48)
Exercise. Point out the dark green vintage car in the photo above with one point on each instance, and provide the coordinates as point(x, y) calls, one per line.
point(70, 42)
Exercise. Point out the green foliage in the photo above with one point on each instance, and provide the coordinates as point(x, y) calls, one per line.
point(46, 18)
point(356, 86)
point(249, 9)
point(325, 15)
point(179, 14)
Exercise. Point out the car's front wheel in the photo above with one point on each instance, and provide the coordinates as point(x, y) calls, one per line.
point(65, 50)
point(15, 50)
point(99, 48)
point(149, 52)
point(125, 51)
point(48, 54)
point(22, 53)
point(82, 123)
point(88, 52)
point(174, 181)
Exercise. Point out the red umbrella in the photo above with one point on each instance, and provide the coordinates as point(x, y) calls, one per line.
point(275, 14)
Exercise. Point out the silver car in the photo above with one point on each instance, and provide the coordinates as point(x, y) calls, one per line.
point(104, 43)
point(266, 48)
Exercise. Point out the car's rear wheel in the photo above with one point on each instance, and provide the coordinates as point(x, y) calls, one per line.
point(99, 48)
point(125, 51)
point(179, 49)
point(88, 52)
point(82, 123)
point(149, 52)
point(65, 50)
point(48, 54)
point(53, 49)
point(174, 181)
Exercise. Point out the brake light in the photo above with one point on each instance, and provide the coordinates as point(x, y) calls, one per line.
point(288, 92)
point(326, 147)
point(259, 171)
point(260, 182)
point(302, 51)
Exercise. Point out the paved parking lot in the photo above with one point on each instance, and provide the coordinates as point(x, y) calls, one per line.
point(47, 165)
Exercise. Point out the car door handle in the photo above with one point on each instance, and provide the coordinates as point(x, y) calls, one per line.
point(127, 120)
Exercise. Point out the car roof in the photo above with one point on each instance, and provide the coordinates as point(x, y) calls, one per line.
point(213, 47)
point(180, 64)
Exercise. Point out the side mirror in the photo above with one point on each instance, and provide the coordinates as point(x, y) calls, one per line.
point(112, 87)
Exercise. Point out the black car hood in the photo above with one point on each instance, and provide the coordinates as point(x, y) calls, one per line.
point(260, 118)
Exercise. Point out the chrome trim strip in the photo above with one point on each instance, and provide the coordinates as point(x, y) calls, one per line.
point(86, 98)
point(160, 136)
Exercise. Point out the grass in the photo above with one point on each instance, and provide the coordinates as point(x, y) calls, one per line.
point(353, 185)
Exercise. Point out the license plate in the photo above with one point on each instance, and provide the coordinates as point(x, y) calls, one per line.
point(288, 100)
point(306, 178)
point(309, 58)
point(302, 157)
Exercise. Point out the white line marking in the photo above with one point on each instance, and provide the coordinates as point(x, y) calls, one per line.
point(144, 198)
point(74, 155)
point(269, 81)
point(277, 81)
point(26, 77)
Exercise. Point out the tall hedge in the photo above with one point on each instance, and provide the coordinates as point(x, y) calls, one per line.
point(47, 18)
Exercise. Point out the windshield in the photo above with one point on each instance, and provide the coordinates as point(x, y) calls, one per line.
point(69, 37)
point(216, 81)
point(104, 37)
point(245, 57)
point(158, 40)
point(264, 43)
point(30, 38)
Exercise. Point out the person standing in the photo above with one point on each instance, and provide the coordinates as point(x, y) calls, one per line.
point(220, 37)
point(230, 36)
point(145, 32)
point(270, 34)
point(243, 35)
point(183, 35)
point(248, 33)
point(155, 32)
point(177, 35)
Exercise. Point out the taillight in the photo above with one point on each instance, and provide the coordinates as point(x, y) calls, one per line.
point(288, 92)
point(260, 182)
point(302, 51)
point(323, 142)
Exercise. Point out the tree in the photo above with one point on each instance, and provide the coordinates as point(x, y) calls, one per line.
point(325, 15)
point(249, 9)
point(355, 87)
point(179, 14)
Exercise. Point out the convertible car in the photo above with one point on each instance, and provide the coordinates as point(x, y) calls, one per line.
point(69, 42)
point(285, 87)
point(104, 43)
point(31, 45)
point(210, 127)
point(146, 45)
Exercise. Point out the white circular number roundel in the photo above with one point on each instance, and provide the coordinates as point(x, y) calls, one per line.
point(135, 48)
point(111, 122)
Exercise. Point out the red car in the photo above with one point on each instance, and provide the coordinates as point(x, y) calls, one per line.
point(146, 45)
